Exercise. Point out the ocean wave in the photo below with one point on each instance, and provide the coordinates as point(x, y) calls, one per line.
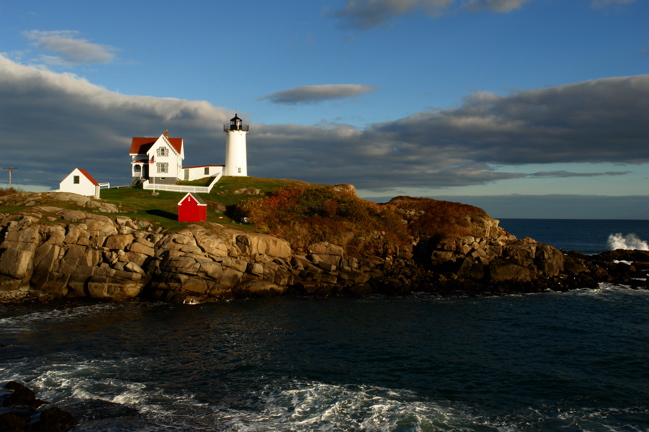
point(319, 406)
point(629, 241)
point(30, 320)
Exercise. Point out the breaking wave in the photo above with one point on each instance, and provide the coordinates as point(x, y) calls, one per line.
point(629, 241)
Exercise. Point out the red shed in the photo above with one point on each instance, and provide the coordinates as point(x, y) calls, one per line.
point(192, 208)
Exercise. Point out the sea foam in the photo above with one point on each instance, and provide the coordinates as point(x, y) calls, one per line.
point(629, 241)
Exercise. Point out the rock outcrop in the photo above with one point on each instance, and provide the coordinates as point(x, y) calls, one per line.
point(50, 252)
point(21, 413)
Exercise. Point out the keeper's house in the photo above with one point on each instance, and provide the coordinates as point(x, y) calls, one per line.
point(159, 160)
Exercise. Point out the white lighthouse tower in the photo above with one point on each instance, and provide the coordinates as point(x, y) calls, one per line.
point(235, 148)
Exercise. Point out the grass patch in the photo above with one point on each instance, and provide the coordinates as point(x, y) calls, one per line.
point(227, 188)
point(205, 181)
point(163, 207)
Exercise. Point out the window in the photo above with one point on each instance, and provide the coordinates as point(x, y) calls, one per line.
point(75, 180)
point(239, 170)
point(162, 151)
point(137, 169)
point(162, 167)
point(207, 170)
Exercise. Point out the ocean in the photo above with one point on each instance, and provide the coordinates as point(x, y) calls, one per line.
point(574, 361)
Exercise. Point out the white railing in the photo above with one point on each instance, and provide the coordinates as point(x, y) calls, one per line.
point(179, 188)
point(104, 185)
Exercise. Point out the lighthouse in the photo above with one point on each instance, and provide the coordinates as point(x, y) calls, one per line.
point(235, 147)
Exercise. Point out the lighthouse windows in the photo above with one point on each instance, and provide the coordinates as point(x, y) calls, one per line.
point(239, 170)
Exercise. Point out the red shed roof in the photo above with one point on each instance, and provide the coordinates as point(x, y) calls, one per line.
point(88, 176)
point(141, 145)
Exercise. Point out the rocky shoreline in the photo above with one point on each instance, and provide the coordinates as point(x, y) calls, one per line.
point(49, 252)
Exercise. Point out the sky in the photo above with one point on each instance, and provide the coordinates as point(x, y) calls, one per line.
point(526, 108)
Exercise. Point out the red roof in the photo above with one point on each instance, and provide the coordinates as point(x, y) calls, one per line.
point(88, 176)
point(141, 145)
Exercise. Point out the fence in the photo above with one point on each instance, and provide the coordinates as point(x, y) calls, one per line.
point(179, 188)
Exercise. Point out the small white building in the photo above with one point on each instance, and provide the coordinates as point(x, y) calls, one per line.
point(80, 182)
point(202, 171)
point(159, 160)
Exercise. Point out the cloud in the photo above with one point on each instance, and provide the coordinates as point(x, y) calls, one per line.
point(367, 14)
point(494, 5)
point(592, 121)
point(68, 49)
point(598, 121)
point(318, 93)
point(563, 174)
point(53, 122)
point(605, 3)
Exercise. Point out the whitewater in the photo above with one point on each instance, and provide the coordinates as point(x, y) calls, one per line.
point(628, 241)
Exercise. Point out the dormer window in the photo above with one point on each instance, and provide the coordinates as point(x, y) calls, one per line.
point(163, 151)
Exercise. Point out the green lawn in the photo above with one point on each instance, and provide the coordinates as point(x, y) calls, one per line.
point(163, 207)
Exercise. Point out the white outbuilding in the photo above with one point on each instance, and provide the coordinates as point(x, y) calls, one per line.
point(80, 182)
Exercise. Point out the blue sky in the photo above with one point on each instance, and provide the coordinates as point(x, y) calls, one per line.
point(512, 105)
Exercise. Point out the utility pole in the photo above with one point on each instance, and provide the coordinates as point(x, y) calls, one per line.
point(11, 169)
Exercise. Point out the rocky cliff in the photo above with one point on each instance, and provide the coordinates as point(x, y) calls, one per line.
point(49, 252)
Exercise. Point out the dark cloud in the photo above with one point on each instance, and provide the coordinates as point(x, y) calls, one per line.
point(52, 123)
point(605, 3)
point(494, 5)
point(68, 49)
point(562, 174)
point(594, 121)
point(318, 93)
point(367, 14)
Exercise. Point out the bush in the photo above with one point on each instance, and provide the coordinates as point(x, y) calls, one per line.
point(306, 215)
point(8, 191)
point(441, 219)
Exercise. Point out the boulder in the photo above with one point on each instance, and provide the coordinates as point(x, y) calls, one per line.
point(258, 288)
point(17, 263)
point(506, 271)
point(15, 421)
point(119, 241)
point(21, 396)
point(54, 420)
